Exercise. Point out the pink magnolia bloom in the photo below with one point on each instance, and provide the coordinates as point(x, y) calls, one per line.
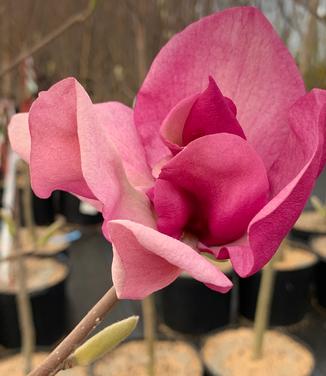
point(219, 155)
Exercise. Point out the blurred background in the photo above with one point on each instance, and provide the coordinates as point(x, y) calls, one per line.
point(111, 50)
point(108, 46)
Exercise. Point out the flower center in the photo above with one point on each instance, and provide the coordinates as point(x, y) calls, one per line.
point(216, 182)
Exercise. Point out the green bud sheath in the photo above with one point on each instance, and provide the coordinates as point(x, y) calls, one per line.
point(104, 341)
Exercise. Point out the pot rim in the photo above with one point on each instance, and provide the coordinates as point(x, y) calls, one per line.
point(278, 329)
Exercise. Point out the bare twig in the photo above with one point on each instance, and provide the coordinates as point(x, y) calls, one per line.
point(50, 37)
point(291, 21)
point(25, 315)
point(85, 52)
point(148, 307)
point(28, 206)
point(57, 359)
point(264, 302)
point(311, 10)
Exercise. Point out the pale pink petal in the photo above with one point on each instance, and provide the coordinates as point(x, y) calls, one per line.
point(55, 154)
point(19, 136)
point(72, 151)
point(145, 261)
point(223, 180)
point(20, 140)
point(275, 220)
point(103, 168)
point(240, 50)
point(118, 121)
point(172, 126)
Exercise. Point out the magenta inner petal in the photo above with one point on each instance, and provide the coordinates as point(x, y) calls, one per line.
point(218, 184)
point(211, 113)
point(172, 208)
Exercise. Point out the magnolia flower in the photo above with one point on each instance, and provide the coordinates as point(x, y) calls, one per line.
point(219, 155)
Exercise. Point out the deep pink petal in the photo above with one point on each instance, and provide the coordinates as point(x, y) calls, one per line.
point(146, 261)
point(211, 113)
point(274, 221)
point(224, 181)
point(19, 136)
point(199, 115)
point(251, 65)
point(118, 120)
point(55, 154)
point(172, 208)
point(304, 122)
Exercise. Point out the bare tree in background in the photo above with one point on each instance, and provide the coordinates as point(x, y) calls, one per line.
point(308, 51)
point(111, 53)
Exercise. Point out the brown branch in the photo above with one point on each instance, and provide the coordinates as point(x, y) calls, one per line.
point(85, 52)
point(26, 323)
point(25, 314)
point(50, 37)
point(28, 206)
point(57, 359)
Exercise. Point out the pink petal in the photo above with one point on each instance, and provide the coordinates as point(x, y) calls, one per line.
point(20, 140)
point(19, 136)
point(274, 221)
point(211, 113)
point(172, 126)
point(117, 119)
point(240, 50)
point(72, 140)
point(304, 120)
point(145, 261)
point(102, 166)
point(55, 154)
point(223, 180)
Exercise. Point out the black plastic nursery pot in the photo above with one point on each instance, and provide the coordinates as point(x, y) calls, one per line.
point(320, 281)
point(48, 299)
point(70, 207)
point(319, 247)
point(43, 210)
point(189, 307)
point(308, 225)
point(292, 289)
